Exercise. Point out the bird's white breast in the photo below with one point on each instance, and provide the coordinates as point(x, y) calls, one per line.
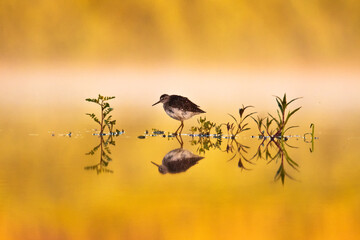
point(179, 114)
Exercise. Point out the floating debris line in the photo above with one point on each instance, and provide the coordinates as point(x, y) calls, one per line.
point(156, 132)
point(116, 133)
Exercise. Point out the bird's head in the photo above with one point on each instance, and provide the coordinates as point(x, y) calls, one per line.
point(163, 98)
point(162, 169)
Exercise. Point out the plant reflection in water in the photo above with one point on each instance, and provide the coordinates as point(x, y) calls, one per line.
point(239, 150)
point(272, 150)
point(105, 153)
point(276, 151)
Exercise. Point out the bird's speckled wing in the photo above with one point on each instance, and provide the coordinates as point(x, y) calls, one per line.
point(184, 103)
point(182, 165)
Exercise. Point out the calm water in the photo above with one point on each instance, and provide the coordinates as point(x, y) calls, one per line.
point(52, 188)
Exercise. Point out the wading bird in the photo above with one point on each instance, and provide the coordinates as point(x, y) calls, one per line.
point(179, 108)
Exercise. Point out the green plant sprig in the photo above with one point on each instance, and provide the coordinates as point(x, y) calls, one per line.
point(283, 116)
point(205, 127)
point(240, 126)
point(259, 123)
point(105, 119)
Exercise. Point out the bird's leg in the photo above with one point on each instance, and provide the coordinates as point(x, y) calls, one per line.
point(182, 127)
point(181, 142)
point(176, 132)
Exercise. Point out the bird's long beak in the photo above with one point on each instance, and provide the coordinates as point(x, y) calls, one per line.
point(156, 103)
point(155, 164)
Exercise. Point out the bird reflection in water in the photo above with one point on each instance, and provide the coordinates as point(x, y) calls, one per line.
point(178, 160)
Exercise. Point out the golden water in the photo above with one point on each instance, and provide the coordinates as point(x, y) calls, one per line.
point(46, 193)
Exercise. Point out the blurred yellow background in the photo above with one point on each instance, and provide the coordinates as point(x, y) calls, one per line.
point(185, 31)
point(220, 54)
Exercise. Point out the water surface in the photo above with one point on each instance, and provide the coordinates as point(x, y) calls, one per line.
point(51, 188)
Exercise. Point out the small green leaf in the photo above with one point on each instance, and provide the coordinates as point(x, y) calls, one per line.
point(293, 100)
point(233, 118)
point(284, 100)
point(290, 114)
point(290, 128)
point(96, 120)
point(249, 115)
point(257, 123)
point(108, 98)
point(105, 105)
point(92, 115)
point(105, 164)
point(92, 100)
point(273, 119)
point(242, 110)
point(280, 105)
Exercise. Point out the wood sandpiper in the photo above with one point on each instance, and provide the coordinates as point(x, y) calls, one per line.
point(179, 108)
